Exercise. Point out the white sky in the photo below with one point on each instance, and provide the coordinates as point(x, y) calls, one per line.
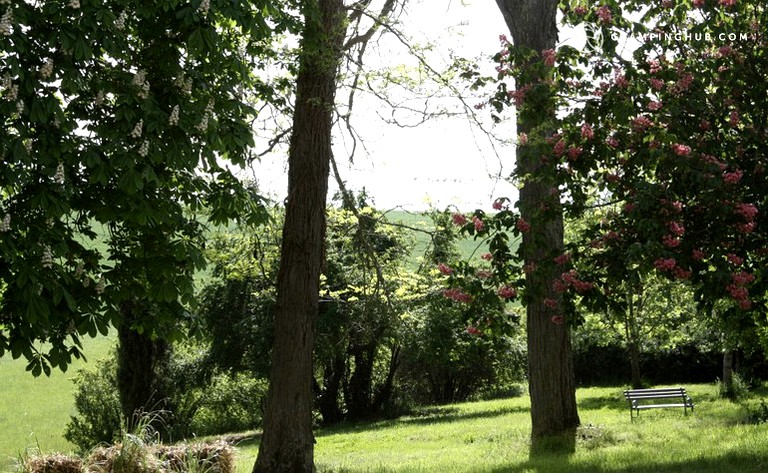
point(443, 162)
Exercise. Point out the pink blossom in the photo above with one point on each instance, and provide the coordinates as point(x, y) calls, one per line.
point(735, 259)
point(486, 256)
point(550, 303)
point(580, 10)
point(574, 152)
point(445, 269)
point(697, 255)
point(587, 132)
point(530, 267)
point(666, 3)
point(549, 56)
point(459, 219)
point(621, 81)
point(604, 13)
point(641, 123)
point(670, 241)
point(484, 274)
point(628, 207)
point(676, 228)
point(746, 227)
point(472, 330)
point(681, 150)
point(727, 3)
point(657, 84)
point(503, 39)
point(560, 286)
point(557, 319)
point(523, 139)
point(734, 118)
point(724, 51)
point(654, 105)
point(507, 292)
point(681, 273)
point(654, 65)
point(742, 278)
point(479, 224)
point(559, 148)
point(522, 225)
point(677, 206)
point(732, 177)
point(665, 264)
point(704, 125)
point(748, 211)
point(612, 142)
point(562, 259)
point(698, 3)
point(457, 295)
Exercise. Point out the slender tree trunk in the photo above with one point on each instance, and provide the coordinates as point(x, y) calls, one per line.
point(532, 24)
point(633, 343)
point(287, 443)
point(728, 373)
point(328, 400)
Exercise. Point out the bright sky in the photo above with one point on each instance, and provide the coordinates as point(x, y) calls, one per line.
point(443, 162)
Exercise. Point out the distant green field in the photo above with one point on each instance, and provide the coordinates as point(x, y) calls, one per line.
point(34, 411)
point(467, 247)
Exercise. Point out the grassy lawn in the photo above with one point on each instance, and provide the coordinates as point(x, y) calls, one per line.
point(492, 436)
point(34, 411)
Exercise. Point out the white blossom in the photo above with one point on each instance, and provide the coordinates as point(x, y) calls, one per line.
point(28, 146)
point(120, 22)
point(136, 133)
point(5, 225)
point(80, 269)
point(205, 5)
point(74, 4)
point(6, 22)
point(100, 286)
point(47, 69)
point(99, 98)
point(47, 258)
point(59, 178)
point(173, 118)
point(139, 77)
point(203, 125)
point(144, 148)
point(20, 107)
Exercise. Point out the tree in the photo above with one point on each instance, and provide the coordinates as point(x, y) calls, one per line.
point(287, 442)
point(115, 121)
point(550, 364)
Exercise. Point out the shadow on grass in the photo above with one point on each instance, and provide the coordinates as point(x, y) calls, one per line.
point(425, 416)
point(616, 402)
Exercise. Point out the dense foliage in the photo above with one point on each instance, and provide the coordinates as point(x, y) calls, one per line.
point(115, 117)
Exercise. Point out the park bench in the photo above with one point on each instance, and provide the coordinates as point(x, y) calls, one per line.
point(660, 397)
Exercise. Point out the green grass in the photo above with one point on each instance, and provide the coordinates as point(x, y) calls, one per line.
point(35, 411)
point(493, 436)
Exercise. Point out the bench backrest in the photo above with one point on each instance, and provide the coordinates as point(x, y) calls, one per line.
point(654, 393)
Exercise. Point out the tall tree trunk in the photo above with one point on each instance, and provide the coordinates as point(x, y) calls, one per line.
point(328, 399)
point(552, 386)
point(359, 389)
point(287, 443)
point(140, 362)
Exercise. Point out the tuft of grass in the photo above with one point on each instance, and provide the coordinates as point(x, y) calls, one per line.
point(493, 437)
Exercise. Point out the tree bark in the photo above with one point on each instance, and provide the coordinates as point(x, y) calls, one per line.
point(140, 361)
point(532, 24)
point(728, 373)
point(287, 443)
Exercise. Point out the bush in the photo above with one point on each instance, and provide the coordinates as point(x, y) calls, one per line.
point(231, 403)
point(199, 406)
point(98, 405)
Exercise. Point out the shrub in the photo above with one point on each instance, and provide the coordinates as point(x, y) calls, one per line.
point(98, 407)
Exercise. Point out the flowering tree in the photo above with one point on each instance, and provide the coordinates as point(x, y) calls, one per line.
point(115, 116)
point(660, 124)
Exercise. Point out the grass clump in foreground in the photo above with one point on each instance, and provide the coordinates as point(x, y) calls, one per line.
point(493, 436)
